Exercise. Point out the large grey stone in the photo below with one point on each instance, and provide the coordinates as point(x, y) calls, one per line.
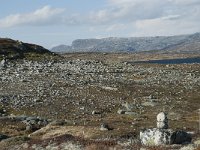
point(156, 136)
point(163, 137)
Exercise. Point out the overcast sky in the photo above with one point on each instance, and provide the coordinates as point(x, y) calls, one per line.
point(53, 22)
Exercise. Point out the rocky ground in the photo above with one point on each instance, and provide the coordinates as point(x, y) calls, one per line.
point(94, 100)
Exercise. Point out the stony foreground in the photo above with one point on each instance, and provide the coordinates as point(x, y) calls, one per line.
point(78, 96)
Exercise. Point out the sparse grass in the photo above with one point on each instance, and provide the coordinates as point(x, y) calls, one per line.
point(42, 57)
point(12, 142)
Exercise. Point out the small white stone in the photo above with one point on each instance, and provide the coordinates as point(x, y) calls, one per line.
point(162, 117)
point(162, 125)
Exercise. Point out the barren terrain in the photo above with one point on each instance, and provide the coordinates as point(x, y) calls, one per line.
point(76, 94)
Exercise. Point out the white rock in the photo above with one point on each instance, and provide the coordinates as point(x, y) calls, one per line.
point(2, 63)
point(162, 117)
point(162, 125)
point(156, 136)
point(104, 127)
point(120, 111)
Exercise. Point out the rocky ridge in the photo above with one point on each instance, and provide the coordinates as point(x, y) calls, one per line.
point(159, 44)
point(12, 49)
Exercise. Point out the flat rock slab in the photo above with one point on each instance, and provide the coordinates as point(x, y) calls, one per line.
point(152, 104)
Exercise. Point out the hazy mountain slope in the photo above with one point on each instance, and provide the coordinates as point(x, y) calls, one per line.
point(189, 45)
point(185, 43)
point(61, 48)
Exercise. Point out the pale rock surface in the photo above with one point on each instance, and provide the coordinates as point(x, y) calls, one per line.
point(162, 117)
point(156, 136)
point(162, 121)
point(162, 125)
point(162, 135)
point(2, 63)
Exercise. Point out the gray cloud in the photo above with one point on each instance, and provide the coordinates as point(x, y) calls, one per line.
point(43, 16)
point(151, 17)
point(137, 17)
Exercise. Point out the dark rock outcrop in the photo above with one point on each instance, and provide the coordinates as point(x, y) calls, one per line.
point(16, 49)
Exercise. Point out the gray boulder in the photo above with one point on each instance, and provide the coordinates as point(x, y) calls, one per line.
point(156, 137)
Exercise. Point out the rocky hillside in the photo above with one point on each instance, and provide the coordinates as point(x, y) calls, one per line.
point(181, 43)
point(16, 49)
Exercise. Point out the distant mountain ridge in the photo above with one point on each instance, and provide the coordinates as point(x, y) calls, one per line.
point(181, 43)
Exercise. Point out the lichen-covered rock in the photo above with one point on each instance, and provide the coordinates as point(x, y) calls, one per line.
point(156, 136)
point(104, 127)
point(163, 137)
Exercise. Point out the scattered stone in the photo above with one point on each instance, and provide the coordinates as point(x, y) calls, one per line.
point(37, 100)
point(95, 112)
point(120, 111)
point(128, 106)
point(152, 104)
point(29, 128)
point(25, 146)
point(109, 88)
point(2, 137)
point(34, 121)
point(130, 113)
point(104, 127)
point(2, 63)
